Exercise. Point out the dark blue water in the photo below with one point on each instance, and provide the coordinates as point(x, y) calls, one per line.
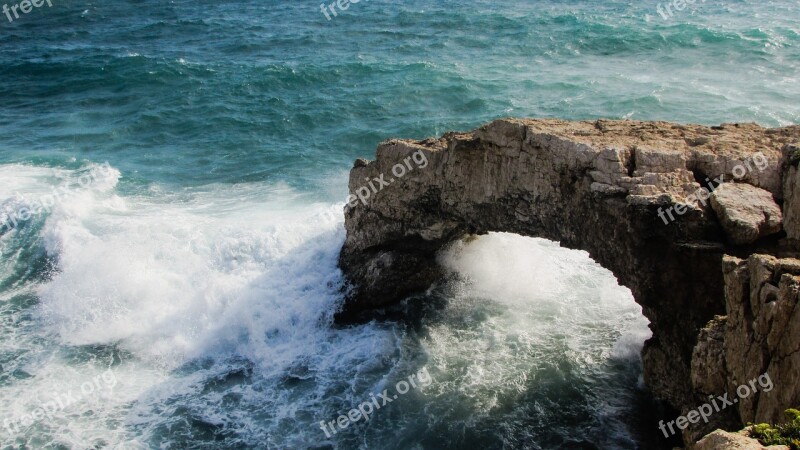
point(195, 272)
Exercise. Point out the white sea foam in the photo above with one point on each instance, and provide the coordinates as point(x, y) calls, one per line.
point(218, 301)
point(218, 272)
point(541, 307)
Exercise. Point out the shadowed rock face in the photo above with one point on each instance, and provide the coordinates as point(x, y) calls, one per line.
point(627, 192)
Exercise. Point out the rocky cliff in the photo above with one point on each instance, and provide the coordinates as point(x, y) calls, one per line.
point(699, 222)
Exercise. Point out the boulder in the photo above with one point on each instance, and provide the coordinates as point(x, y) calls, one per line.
point(746, 213)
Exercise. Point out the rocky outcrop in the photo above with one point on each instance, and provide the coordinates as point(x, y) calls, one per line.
point(732, 441)
point(760, 335)
point(791, 190)
point(638, 196)
point(759, 338)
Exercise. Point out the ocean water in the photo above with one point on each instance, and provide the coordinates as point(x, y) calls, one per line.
point(181, 168)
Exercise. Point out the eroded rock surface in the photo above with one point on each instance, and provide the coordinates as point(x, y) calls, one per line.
point(791, 190)
point(635, 195)
point(761, 336)
point(722, 440)
point(746, 212)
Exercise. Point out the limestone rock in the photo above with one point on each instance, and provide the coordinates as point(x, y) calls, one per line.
point(722, 440)
point(758, 339)
point(746, 212)
point(763, 333)
point(791, 191)
point(708, 359)
point(600, 186)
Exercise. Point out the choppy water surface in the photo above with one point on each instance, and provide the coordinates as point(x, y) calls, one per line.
point(179, 292)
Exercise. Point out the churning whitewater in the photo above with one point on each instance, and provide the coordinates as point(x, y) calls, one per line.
point(174, 175)
point(212, 309)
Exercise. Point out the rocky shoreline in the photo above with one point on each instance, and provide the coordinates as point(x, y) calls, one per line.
point(719, 282)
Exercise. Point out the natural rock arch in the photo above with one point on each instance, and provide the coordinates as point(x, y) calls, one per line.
point(603, 187)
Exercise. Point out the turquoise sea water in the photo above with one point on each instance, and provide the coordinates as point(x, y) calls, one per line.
point(195, 273)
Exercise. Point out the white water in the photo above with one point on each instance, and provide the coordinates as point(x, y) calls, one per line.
point(213, 308)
